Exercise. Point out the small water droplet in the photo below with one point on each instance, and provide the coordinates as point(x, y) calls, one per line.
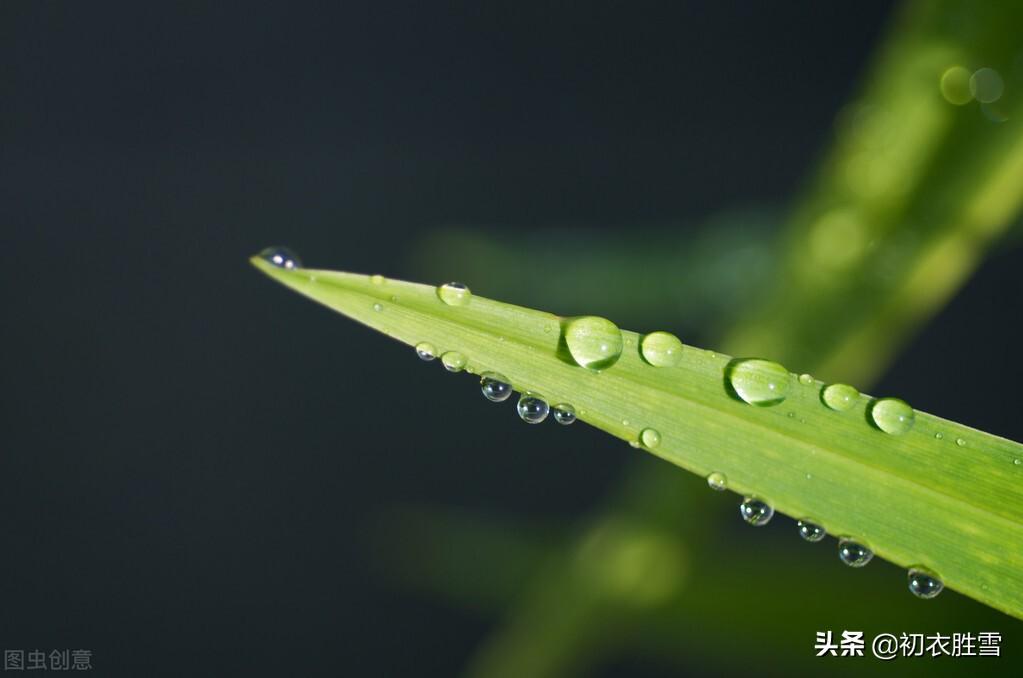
point(661, 349)
point(809, 476)
point(281, 257)
point(453, 361)
point(454, 294)
point(839, 397)
point(853, 553)
point(564, 414)
point(547, 329)
point(426, 351)
point(377, 279)
point(756, 512)
point(960, 442)
point(595, 343)
point(924, 583)
point(634, 443)
point(806, 380)
point(378, 307)
point(892, 415)
point(532, 409)
point(1017, 462)
point(811, 531)
point(938, 435)
point(394, 297)
point(792, 415)
point(495, 387)
point(759, 382)
point(650, 437)
point(717, 481)
point(625, 422)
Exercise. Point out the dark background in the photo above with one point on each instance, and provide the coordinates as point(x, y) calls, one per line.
point(192, 456)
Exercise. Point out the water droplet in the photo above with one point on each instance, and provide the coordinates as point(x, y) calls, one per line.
point(854, 554)
point(806, 380)
point(547, 329)
point(839, 397)
point(378, 307)
point(426, 351)
point(939, 435)
point(564, 414)
point(453, 361)
point(394, 297)
point(650, 437)
point(759, 382)
point(454, 294)
point(625, 422)
point(756, 512)
point(661, 349)
point(792, 415)
point(1017, 462)
point(595, 343)
point(377, 279)
point(495, 387)
point(811, 531)
point(960, 442)
point(281, 257)
point(532, 409)
point(717, 482)
point(892, 415)
point(986, 85)
point(924, 583)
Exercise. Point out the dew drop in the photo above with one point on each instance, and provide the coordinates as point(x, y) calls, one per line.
point(924, 583)
point(661, 349)
point(960, 442)
point(650, 437)
point(806, 380)
point(378, 307)
point(564, 414)
point(454, 294)
point(532, 409)
point(426, 351)
point(759, 382)
point(811, 531)
point(756, 512)
point(377, 279)
point(594, 343)
point(453, 361)
point(1017, 462)
point(892, 415)
point(281, 257)
point(495, 387)
point(853, 553)
point(839, 397)
point(717, 482)
point(939, 435)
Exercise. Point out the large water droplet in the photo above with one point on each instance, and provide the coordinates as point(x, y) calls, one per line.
point(595, 343)
point(661, 349)
point(426, 351)
point(853, 553)
point(650, 437)
point(717, 481)
point(811, 531)
point(924, 583)
point(892, 415)
point(756, 512)
point(281, 257)
point(495, 387)
point(532, 409)
point(454, 294)
point(759, 382)
point(564, 414)
point(453, 361)
point(839, 397)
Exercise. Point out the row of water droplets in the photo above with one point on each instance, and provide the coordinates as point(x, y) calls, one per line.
point(596, 344)
point(763, 383)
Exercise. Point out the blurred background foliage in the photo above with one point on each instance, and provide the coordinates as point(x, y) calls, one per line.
point(923, 178)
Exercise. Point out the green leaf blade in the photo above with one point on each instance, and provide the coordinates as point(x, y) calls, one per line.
point(916, 499)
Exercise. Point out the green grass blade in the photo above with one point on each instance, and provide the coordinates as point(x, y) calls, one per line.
point(915, 499)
